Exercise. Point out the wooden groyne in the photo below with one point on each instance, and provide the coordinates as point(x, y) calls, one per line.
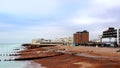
point(31, 46)
point(40, 45)
point(4, 57)
point(35, 51)
point(38, 57)
point(29, 55)
point(12, 54)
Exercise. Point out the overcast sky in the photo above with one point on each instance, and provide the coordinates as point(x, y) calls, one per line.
point(23, 20)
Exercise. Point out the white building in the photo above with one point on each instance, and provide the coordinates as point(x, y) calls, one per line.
point(41, 40)
point(65, 40)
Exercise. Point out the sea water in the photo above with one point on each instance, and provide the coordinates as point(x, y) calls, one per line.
point(10, 48)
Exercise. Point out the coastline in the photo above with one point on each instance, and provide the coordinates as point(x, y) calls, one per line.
point(72, 57)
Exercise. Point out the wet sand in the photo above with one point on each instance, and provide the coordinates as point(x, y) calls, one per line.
point(73, 57)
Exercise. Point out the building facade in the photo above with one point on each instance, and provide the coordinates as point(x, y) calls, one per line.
point(66, 40)
point(61, 41)
point(111, 36)
point(40, 40)
point(81, 37)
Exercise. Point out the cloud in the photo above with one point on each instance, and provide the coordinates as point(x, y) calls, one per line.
point(42, 7)
point(3, 25)
point(45, 31)
point(26, 34)
point(91, 20)
point(97, 11)
point(107, 3)
point(56, 18)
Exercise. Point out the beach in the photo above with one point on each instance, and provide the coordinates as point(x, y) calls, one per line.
point(71, 56)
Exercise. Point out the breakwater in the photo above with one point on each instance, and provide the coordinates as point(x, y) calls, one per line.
point(8, 53)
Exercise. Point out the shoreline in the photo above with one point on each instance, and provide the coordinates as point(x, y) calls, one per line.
point(72, 57)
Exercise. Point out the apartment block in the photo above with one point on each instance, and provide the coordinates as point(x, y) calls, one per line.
point(81, 37)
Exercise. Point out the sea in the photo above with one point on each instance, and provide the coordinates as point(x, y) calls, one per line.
point(11, 48)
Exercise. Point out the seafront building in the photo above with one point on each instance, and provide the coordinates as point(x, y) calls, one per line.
point(35, 41)
point(66, 40)
point(62, 41)
point(81, 38)
point(40, 40)
point(111, 36)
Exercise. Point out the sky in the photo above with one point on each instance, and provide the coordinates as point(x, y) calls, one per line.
point(23, 20)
